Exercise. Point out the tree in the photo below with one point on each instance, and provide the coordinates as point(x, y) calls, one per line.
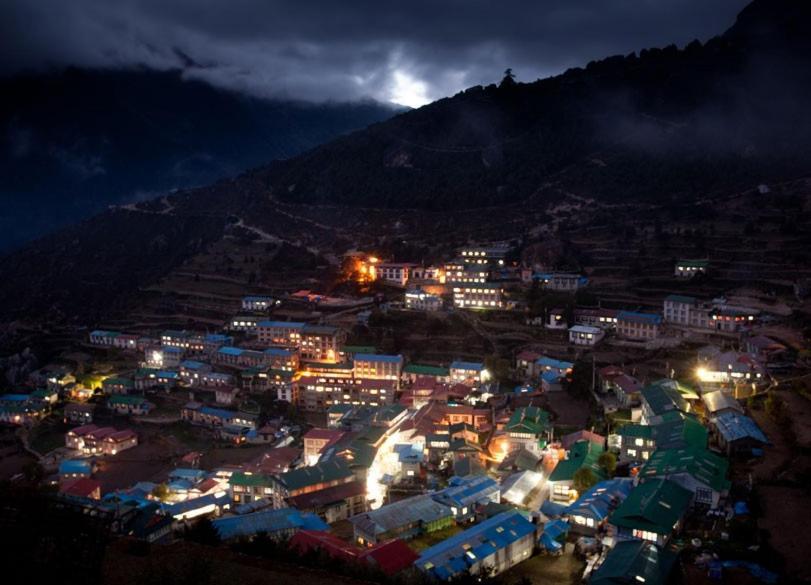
point(509, 78)
point(161, 492)
point(583, 479)
point(203, 532)
point(608, 462)
point(580, 384)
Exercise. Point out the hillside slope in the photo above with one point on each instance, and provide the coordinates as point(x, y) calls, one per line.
point(74, 141)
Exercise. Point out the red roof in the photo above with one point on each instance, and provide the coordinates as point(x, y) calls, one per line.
point(528, 356)
point(330, 495)
point(304, 541)
point(83, 430)
point(82, 488)
point(101, 433)
point(324, 434)
point(278, 460)
point(390, 557)
point(208, 485)
point(124, 435)
point(568, 440)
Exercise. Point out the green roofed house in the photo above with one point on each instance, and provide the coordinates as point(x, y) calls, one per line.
point(127, 404)
point(248, 487)
point(117, 385)
point(653, 511)
point(665, 396)
point(582, 455)
point(322, 475)
point(634, 561)
point(413, 371)
point(638, 442)
point(698, 470)
point(689, 268)
point(528, 428)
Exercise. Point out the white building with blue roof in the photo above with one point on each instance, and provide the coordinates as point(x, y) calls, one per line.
point(378, 366)
point(468, 372)
point(463, 494)
point(736, 433)
point(592, 509)
point(277, 524)
point(493, 546)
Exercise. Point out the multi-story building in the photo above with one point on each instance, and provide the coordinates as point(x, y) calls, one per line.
point(257, 303)
point(285, 333)
point(468, 372)
point(321, 343)
point(316, 440)
point(281, 358)
point(687, 311)
point(419, 300)
point(602, 318)
point(633, 325)
point(585, 335)
point(485, 295)
point(378, 366)
point(395, 272)
point(690, 268)
point(246, 323)
point(247, 487)
point(318, 393)
point(185, 340)
point(484, 255)
point(561, 281)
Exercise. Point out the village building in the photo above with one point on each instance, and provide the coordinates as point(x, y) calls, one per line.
point(639, 326)
point(250, 488)
point(625, 388)
point(103, 338)
point(634, 561)
point(413, 371)
point(690, 268)
point(397, 273)
point(278, 524)
point(335, 503)
point(245, 323)
point(582, 455)
point(78, 413)
point(638, 442)
point(470, 373)
point(281, 358)
point(464, 494)
point(129, 405)
point(314, 478)
point(378, 366)
point(282, 333)
point(665, 396)
point(603, 318)
point(321, 343)
point(317, 393)
point(561, 281)
point(119, 441)
point(117, 385)
point(486, 295)
point(653, 511)
point(420, 300)
point(403, 519)
point(736, 434)
point(216, 418)
point(593, 507)
point(85, 488)
point(585, 335)
point(185, 340)
point(698, 470)
point(257, 304)
point(490, 547)
point(528, 428)
point(556, 320)
point(316, 441)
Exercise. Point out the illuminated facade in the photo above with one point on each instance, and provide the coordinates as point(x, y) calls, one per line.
point(318, 393)
point(485, 295)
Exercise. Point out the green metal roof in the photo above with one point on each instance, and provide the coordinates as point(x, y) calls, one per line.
point(683, 432)
point(654, 505)
point(705, 466)
point(126, 399)
point(359, 349)
point(582, 454)
point(636, 431)
point(422, 370)
point(322, 472)
point(118, 381)
point(634, 561)
point(529, 419)
point(251, 479)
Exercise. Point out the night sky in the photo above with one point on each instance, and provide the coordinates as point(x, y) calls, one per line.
point(405, 52)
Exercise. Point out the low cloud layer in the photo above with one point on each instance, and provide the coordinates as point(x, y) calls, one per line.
point(406, 52)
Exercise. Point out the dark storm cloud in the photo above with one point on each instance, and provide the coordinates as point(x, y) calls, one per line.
point(341, 49)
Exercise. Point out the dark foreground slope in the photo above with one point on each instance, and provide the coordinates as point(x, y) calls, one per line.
point(73, 142)
point(666, 126)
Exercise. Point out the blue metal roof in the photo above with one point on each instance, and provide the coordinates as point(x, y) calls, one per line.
point(466, 491)
point(75, 466)
point(649, 318)
point(601, 499)
point(452, 556)
point(218, 412)
point(284, 324)
point(374, 357)
point(191, 364)
point(230, 351)
point(269, 521)
point(733, 426)
point(548, 362)
point(474, 366)
point(281, 351)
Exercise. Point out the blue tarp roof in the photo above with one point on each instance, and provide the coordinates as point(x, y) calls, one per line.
point(474, 366)
point(601, 499)
point(230, 351)
point(269, 521)
point(75, 466)
point(733, 426)
point(552, 509)
point(548, 362)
